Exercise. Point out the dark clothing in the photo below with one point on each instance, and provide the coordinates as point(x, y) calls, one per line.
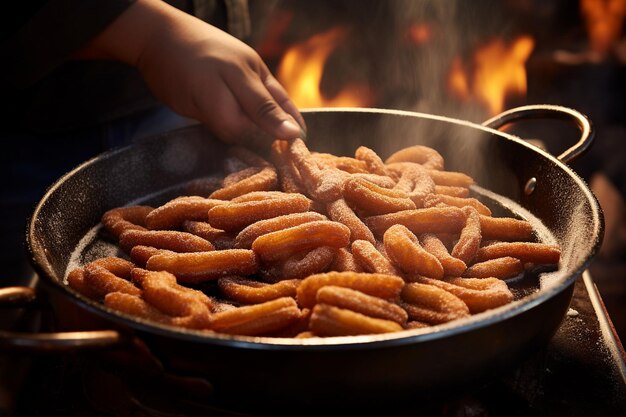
point(50, 37)
point(46, 90)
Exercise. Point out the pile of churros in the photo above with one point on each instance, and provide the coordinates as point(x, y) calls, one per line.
point(300, 244)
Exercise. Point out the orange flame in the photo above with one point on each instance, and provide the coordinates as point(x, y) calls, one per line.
point(301, 69)
point(498, 70)
point(420, 33)
point(604, 20)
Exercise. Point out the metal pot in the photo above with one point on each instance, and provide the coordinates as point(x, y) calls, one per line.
point(364, 370)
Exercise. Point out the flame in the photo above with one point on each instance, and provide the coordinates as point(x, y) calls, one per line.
point(301, 69)
point(604, 20)
point(420, 33)
point(457, 80)
point(498, 70)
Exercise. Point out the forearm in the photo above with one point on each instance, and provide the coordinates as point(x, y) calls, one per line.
point(128, 36)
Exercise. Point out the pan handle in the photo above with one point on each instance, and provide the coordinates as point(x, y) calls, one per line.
point(548, 111)
point(16, 296)
point(11, 297)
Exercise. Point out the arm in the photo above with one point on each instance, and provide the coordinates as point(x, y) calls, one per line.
point(200, 72)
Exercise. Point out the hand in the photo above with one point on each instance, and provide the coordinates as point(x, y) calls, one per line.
point(201, 72)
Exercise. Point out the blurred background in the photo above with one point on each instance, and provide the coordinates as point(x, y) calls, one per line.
point(472, 60)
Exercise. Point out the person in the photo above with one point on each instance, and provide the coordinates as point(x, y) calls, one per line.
point(82, 76)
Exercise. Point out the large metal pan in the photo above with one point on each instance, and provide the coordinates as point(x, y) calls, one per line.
point(369, 370)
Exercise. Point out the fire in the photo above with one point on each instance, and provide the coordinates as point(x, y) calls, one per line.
point(302, 67)
point(497, 70)
point(604, 20)
point(457, 80)
point(420, 33)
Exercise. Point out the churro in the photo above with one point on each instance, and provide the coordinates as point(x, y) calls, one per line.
point(120, 219)
point(295, 243)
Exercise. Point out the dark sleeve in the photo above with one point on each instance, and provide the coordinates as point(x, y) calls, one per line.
point(52, 35)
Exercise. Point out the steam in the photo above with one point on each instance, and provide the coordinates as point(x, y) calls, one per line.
point(400, 50)
point(423, 68)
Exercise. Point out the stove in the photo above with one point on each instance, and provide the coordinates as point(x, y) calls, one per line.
point(581, 372)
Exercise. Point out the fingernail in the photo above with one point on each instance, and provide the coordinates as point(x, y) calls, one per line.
point(288, 130)
point(302, 134)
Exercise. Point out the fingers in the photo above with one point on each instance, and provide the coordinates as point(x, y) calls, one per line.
point(228, 121)
point(282, 98)
point(261, 98)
